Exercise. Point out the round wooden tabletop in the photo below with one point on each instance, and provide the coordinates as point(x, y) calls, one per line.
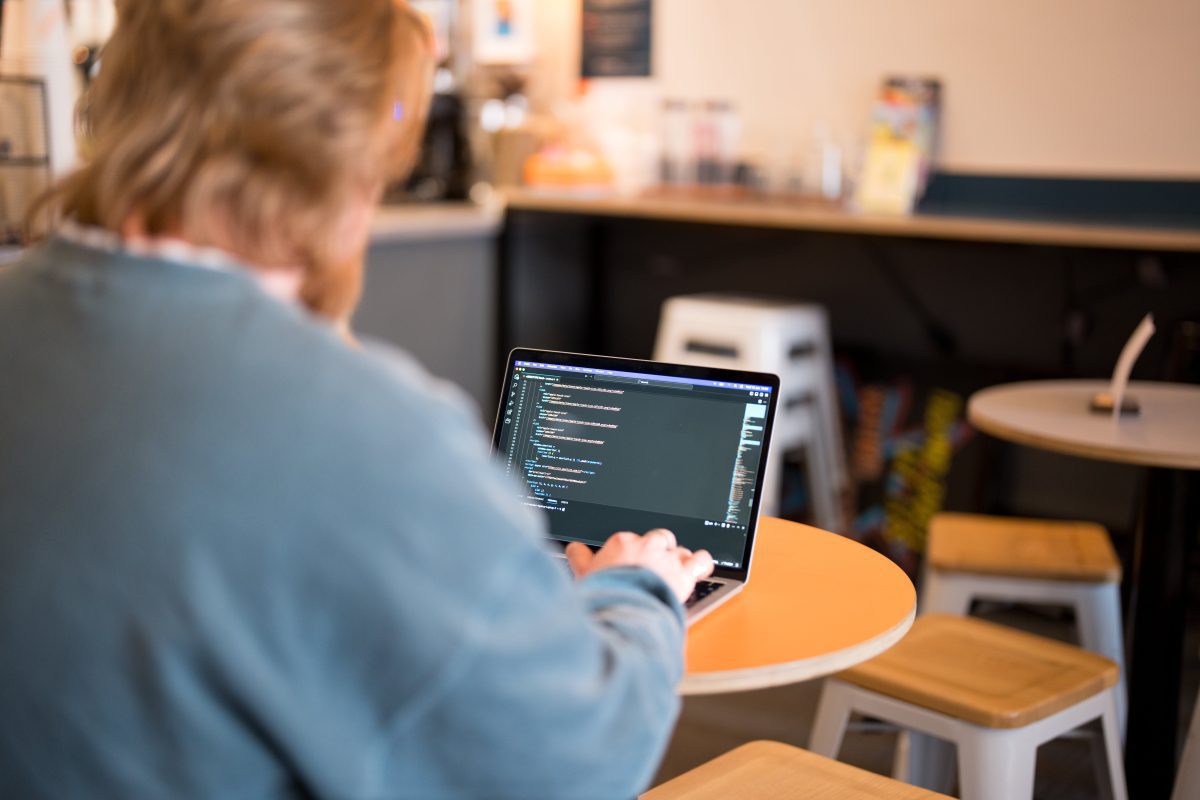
point(1054, 415)
point(816, 603)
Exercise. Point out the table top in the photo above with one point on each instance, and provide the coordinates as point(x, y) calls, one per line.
point(1054, 415)
point(816, 216)
point(816, 603)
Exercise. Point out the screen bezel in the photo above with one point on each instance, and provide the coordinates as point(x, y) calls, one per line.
point(668, 370)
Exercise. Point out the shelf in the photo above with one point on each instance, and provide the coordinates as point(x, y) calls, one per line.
point(766, 213)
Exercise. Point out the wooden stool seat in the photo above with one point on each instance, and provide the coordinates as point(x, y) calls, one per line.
point(775, 771)
point(1024, 548)
point(986, 674)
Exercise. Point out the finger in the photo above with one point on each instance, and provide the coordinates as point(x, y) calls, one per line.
point(700, 564)
point(622, 538)
point(579, 556)
point(661, 535)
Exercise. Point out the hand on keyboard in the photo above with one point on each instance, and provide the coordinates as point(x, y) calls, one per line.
point(703, 589)
point(657, 551)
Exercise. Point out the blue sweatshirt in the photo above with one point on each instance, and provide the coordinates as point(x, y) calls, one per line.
point(239, 559)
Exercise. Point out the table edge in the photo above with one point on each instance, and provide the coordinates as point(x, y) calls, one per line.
point(1094, 452)
point(741, 680)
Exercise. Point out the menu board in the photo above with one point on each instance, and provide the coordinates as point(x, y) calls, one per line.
point(616, 38)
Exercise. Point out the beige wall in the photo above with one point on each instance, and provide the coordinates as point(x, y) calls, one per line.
point(1087, 87)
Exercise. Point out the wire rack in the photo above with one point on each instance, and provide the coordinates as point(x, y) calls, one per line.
point(24, 150)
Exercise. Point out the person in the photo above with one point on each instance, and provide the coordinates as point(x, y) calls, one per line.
point(239, 556)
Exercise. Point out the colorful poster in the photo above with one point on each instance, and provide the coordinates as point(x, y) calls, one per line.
point(900, 147)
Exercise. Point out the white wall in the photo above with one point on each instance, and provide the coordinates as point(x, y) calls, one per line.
point(1064, 87)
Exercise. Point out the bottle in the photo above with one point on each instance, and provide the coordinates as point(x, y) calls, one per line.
point(678, 156)
point(823, 165)
point(727, 140)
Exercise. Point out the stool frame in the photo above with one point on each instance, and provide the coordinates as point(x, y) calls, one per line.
point(993, 763)
point(791, 340)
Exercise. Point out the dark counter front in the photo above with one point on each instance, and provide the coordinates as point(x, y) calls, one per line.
point(1042, 299)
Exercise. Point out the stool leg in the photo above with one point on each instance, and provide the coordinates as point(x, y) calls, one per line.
point(995, 765)
point(832, 420)
point(772, 482)
point(833, 461)
point(902, 765)
point(1187, 779)
point(829, 726)
point(1099, 753)
point(1110, 722)
point(930, 762)
point(1099, 620)
point(820, 487)
point(945, 593)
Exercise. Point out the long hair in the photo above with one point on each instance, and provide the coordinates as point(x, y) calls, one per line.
point(253, 125)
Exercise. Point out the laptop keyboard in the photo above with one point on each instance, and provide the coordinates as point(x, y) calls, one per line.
point(703, 589)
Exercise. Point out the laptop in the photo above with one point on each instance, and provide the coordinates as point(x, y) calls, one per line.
point(603, 444)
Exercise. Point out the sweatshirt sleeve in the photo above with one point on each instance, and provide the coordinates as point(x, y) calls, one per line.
point(558, 692)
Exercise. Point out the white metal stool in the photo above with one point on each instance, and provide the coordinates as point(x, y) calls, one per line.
point(975, 557)
point(993, 692)
point(790, 340)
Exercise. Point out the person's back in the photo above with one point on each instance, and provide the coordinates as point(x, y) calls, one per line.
point(240, 557)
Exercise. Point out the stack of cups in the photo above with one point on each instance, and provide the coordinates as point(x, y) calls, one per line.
point(36, 45)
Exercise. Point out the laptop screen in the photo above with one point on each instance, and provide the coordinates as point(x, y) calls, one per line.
point(604, 445)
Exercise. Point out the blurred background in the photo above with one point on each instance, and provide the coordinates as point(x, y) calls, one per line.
point(972, 193)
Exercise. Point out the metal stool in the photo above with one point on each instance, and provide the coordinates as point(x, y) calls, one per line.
point(975, 557)
point(994, 692)
point(792, 341)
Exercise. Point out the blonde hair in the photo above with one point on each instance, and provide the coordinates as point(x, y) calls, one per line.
point(254, 125)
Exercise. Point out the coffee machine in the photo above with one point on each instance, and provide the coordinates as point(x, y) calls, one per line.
point(443, 170)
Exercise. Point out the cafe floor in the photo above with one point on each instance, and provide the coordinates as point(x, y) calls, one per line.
point(714, 724)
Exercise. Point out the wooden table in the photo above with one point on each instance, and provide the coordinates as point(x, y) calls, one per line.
point(816, 603)
point(1054, 415)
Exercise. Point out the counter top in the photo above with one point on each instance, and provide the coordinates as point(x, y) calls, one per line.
point(426, 222)
point(756, 212)
point(394, 224)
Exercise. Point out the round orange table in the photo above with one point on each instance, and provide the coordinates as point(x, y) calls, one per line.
point(816, 603)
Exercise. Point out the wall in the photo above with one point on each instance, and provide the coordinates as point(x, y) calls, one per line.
point(435, 299)
point(1084, 88)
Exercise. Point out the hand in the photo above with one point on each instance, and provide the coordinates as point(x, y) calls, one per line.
point(656, 551)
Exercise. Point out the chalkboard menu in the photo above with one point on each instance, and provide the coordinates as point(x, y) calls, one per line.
point(616, 38)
